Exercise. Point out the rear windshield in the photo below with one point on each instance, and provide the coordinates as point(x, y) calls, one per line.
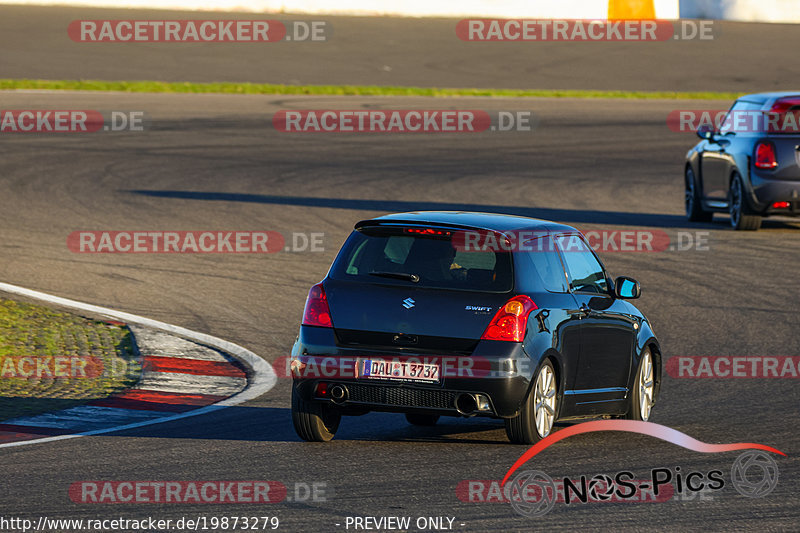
point(382, 255)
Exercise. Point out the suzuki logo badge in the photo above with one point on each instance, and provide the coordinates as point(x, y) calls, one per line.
point(408, 303)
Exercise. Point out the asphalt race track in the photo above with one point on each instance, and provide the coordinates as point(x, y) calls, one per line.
point(216, 162)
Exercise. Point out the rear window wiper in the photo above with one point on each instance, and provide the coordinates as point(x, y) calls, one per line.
point(397, 275)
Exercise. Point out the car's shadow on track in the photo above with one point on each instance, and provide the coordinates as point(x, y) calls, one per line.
point(572, 216)
point(272, 424)
point(568, 216)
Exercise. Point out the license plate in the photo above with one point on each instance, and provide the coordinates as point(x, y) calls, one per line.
point(399, 370)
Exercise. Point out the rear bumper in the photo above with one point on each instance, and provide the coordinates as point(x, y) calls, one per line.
point(767, 190)
point(503, 399)
point(499, 371)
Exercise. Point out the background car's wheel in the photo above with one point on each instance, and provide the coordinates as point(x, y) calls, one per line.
point(421, 419)
point(314, 421)
point(538, 413)
point(694, 209)
point(643, 398)
point(741, 219)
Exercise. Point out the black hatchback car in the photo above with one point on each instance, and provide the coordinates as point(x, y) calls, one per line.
point(749, 166)
point(471, 314)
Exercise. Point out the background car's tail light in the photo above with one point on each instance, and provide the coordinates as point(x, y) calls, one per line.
point(781, 205)
point(317, 312)
point(510, 320)
point(765, 155)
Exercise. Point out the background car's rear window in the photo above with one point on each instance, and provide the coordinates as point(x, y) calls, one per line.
point(433, 258)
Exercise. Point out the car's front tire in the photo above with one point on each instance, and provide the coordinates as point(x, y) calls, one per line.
point(694, 208)
point(421, 419)
point(537, 416)
point(643, 395)
point(741, 218)
point(314, 421)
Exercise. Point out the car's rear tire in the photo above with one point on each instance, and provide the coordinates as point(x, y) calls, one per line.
point(314, 421)
point(741, 219)
point(422, 419)
point(694, 205)
point(538, 413)
point(643, 395)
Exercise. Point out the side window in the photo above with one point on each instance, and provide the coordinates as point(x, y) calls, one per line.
point(742, 117)
point(585, 271)
point(545, 261)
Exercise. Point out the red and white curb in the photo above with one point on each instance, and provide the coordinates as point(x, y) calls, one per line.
point(180, 378)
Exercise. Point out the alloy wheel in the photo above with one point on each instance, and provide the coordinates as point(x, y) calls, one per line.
point(646, 385)
point(735, 207)
point(689, 200)
point(544, 406)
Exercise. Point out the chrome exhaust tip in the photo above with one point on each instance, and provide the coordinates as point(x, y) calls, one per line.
point(466, 404)
point(338, 393)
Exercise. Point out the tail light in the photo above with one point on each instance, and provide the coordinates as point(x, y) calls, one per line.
point(781, 205)
point(765, 155)
point(510, 320)
point(317, 312)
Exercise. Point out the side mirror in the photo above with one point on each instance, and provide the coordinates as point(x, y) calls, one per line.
point(627, 288)
point(705, 131)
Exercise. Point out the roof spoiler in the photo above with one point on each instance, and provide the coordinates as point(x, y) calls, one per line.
point(377, 222)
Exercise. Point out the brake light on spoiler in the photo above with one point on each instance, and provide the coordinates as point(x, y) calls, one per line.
point(510, 321)
point(782, 105)
point(317, 312)
point(783, 116)
point(427, 231)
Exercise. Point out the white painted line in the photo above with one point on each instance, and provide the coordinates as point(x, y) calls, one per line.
point(261, 380)
point(85, 418)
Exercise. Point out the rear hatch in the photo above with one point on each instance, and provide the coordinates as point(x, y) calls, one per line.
point(401, 288)
point(782, 125)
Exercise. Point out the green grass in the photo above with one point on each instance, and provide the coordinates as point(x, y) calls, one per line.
point(97, 359)
point(342, 90)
